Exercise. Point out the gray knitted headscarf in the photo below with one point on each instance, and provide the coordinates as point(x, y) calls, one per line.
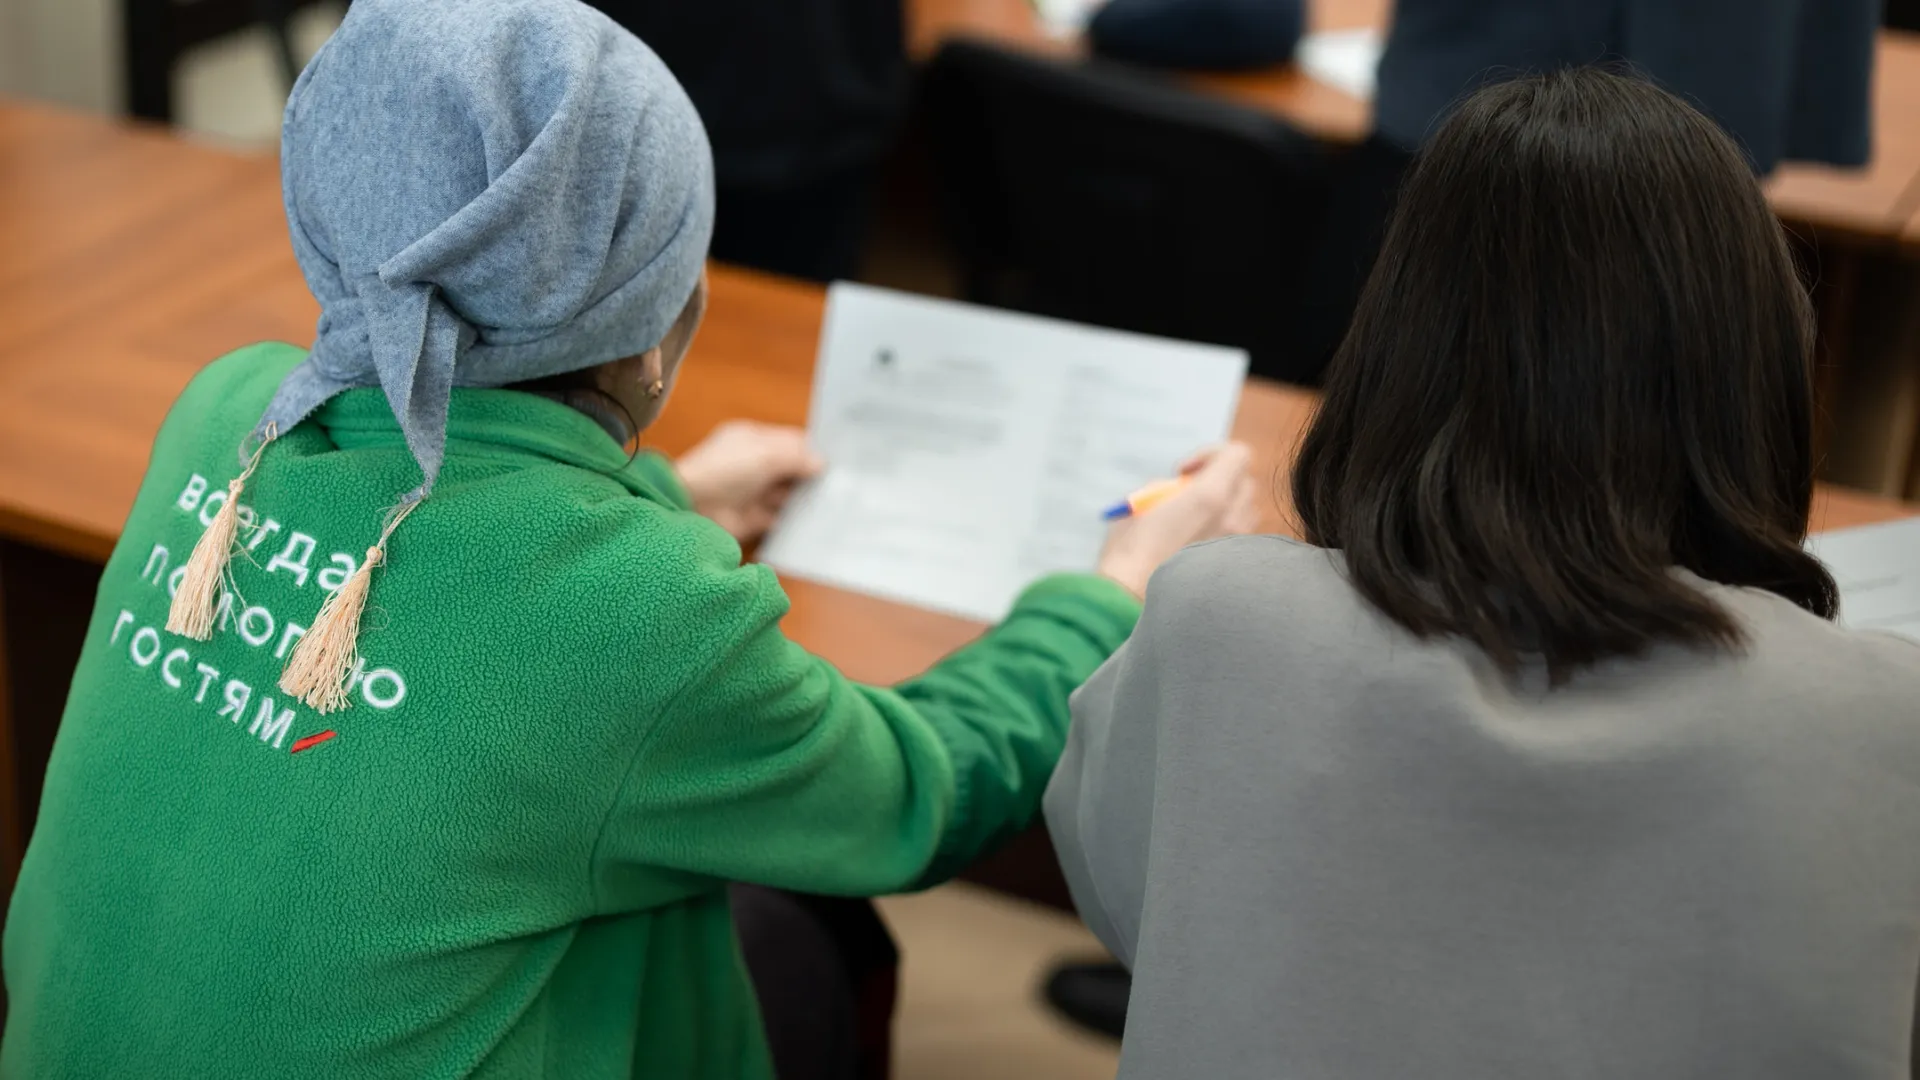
point(482, 192)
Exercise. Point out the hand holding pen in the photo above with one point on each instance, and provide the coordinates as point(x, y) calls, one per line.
point(1213, 496)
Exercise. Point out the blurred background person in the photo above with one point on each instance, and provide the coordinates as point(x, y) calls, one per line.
point(1788, 79)
point(801, 99)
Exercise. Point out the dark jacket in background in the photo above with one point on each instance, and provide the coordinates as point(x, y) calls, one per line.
point(791, 90)
point(1790, 79)
point(1202, 34)
point(800, 99)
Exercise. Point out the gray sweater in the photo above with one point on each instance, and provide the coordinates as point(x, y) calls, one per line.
point(1329, 850)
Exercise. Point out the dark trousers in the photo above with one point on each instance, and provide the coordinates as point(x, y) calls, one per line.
point(824, 970)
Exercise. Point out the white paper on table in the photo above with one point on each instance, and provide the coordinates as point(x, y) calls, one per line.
point(1345, 59)
point(1065, 18)
point(1878, 570)
point(970, 451)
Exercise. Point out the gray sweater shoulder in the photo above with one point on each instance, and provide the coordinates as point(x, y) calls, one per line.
point(1279, 602)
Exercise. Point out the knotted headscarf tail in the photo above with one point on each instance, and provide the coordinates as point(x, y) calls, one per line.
point(479, 192)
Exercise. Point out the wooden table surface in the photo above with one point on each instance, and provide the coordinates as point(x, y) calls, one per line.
point(1284, 89)
point(130, 258)
point(1874, 204)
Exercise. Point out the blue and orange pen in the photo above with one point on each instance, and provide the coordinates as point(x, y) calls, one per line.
point(1146, 498)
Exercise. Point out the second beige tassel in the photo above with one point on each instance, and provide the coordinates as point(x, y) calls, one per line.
point(318, 670)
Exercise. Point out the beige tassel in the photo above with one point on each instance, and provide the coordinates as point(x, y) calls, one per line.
point(198, 598)
point(317, 671)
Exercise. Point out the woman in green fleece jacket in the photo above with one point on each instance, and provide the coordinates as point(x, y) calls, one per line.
point(492, 835)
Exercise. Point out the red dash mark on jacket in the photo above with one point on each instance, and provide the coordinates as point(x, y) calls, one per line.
point(312, 741)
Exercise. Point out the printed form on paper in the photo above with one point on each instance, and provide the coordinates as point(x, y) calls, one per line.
point(971, 451)
point(1878, 570)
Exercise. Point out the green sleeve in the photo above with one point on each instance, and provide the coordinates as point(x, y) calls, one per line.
point(772, 767)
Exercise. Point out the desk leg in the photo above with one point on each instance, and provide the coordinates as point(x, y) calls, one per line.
point(1909, 346)
point(1913, 466)
point(11, 834)
point(1871, 402)
point(1027, 868)
point(45, 602)
point(11, 842)
point(1835, 293)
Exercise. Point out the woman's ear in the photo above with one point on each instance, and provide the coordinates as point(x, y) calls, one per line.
point(653, 372)
point(680, 335)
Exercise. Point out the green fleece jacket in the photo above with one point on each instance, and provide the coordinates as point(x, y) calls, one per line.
point(575, 720)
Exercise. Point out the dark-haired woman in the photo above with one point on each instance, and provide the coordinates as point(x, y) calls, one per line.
point(1541, 757)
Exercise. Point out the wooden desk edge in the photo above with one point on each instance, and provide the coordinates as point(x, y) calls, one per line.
point(61, 538)
point(1851, 507)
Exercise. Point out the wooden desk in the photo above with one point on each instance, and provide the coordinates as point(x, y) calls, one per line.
point(1329, 113)
point(1871, 204)
point(754, 359)
point(129, 259)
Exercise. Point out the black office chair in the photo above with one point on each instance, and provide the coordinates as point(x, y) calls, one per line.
point(156, 33)
point(1108, 195)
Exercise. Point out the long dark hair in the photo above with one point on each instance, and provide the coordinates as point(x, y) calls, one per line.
point(1583, 359)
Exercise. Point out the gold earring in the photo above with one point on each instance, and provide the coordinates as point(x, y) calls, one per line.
point(659, 387)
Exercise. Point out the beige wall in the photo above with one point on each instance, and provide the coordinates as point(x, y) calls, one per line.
point(65, 51)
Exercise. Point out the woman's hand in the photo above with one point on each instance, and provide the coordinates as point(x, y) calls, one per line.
point(740, 476)
point(1218, 502)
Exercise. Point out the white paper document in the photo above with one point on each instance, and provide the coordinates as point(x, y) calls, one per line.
point(970, 451)
point(1878, 570)
point(1345, 59)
